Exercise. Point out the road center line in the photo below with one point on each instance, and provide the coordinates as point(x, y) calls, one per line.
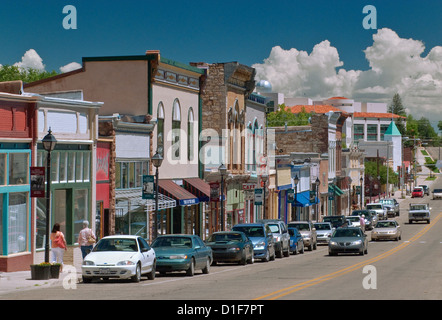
point(286, 291)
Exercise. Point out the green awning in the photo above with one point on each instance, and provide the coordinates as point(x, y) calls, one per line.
point(335, 189)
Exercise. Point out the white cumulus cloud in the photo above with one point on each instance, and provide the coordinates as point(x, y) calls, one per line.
point(397, 65)
point(70, 67)
point(31, 59)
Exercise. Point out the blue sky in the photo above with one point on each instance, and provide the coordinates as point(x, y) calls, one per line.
point(222, 31)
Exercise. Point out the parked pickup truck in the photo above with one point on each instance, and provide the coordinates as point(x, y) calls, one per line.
point(392, 207)
point(419, 212)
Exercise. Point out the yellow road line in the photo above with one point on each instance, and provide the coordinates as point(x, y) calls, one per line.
point(286, 291)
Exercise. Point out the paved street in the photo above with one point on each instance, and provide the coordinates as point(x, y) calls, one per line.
point(405, 269)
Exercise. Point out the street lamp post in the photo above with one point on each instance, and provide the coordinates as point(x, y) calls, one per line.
point(360, 192)
point(222, 170)
point(295, 181)
point(157, 160)
point(264, 179)
point(317, 182)
point(49, 143)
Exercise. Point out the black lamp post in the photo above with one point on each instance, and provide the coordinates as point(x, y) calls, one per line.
point(157, 160)
point(223, 171)
point(317, 182)
point(49, 143)
point(360, 192)
point(296, 181)
point(264, 179)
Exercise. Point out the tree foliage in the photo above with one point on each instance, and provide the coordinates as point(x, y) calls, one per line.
point(284, 117)
point(371, 170)
point(12, 73)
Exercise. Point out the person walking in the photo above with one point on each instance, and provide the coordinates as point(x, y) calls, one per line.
point(58, 245)
point(86, 239)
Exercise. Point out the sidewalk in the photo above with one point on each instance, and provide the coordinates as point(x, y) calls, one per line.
point(21, 280)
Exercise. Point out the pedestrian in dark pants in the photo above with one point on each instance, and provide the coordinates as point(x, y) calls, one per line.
point(86, 239)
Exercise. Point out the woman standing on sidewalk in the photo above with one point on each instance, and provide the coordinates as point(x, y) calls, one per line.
point(58, 245)
point(86, 239)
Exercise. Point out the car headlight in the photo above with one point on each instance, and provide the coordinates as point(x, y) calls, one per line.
point(260, 245)
point(126, 263)
point(178, 256)
point(234, 249)
point(333, 243)
point(357, 242)
point(88, 263)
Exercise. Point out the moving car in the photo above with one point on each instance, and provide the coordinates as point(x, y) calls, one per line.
point(296, 241)
point(231, 246)
point(437, 194)
point(392, 207)
point(280, 235)
point(308, 232)
point(379, 208)
point(261, 237)
point(418, 192)
point(419, 212)
point(324, 230)
point(355, 221)
point(182, 252)
point(120, 257)
point(348, 240)
point(386, 229)
point(336, 221)
point(426, 189)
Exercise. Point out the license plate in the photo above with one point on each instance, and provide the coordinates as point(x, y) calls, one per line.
point(104, 271)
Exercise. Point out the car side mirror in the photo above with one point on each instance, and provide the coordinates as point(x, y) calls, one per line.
point(144, 249)
point(197, 247)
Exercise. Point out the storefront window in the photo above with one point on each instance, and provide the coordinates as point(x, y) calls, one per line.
point(2, 169)
point(79, 167)
point(131, 218)
point(129, 175)
point(18, 168)
point(18, 217)
point(40, 222)
point(1, 224)
point(71, 166)
point(81, 210)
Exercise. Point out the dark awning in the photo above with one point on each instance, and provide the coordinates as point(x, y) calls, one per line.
point(171, 189)
point(198, 187)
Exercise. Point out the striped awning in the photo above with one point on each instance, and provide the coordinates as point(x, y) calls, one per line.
point(198, 187)
point(174, 191)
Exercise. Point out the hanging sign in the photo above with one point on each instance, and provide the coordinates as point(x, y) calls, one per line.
point(37, 182)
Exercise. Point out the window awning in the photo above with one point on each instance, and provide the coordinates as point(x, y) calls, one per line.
point(171, 189)
point(134, 197)
point(335, 189)
point(303, 199)
point(198, 187)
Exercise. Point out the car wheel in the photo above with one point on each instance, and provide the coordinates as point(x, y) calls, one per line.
point(287, 252)
point(137, 276)
point(267, 256)
point(302, 249)
point(252, 258)
point(191, 271)
point(206, 269)
point(87, 279)
point(151, 274)
point(243, 260)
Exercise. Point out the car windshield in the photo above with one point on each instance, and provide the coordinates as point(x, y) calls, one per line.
point(386, 224)
point(387, 201)
point(438, 190)
point(353, 218)
point(251, 231)
point(291, 232)
point(300, 226)
point(360, 213)
point(344, 232)
point(374, 206)
point(332, 219)
point(274, 228)
point(179, 242)
point(116, 244)
point(225, 237)
point(418, 207)
point(322, 226)
point(417, 190)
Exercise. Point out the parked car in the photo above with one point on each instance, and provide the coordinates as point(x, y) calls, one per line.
point(370, 217)
point(418, 192)
point(426, 189)
point(261, 237)
point(336, 221)
point(231, 246)
point(379, 208)
point(392, 207)
point(120, 257)
point(296, 241)
point(386, 229)
point(437, 194)
point(324, 230)
point(308, 232)
point(348, 240)
point(280, 235)
point(419, 212)
point(182, 252)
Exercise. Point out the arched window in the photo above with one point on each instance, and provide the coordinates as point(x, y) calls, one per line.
point(176, 128)
point(160, 129)
point(190, 135)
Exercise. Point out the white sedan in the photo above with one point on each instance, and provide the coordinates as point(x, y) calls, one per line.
point(120, 257)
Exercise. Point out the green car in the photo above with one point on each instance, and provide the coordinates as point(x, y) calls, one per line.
point(182, 252)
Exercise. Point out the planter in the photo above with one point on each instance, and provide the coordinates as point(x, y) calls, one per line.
point(55, 271)
point(40, 272)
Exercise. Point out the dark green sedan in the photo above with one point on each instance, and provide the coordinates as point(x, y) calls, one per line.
point(182, 252)
point(231, 246)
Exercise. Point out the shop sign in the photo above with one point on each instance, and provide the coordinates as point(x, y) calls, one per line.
point(37, 182)
point(148, 187)
point(258, 196)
